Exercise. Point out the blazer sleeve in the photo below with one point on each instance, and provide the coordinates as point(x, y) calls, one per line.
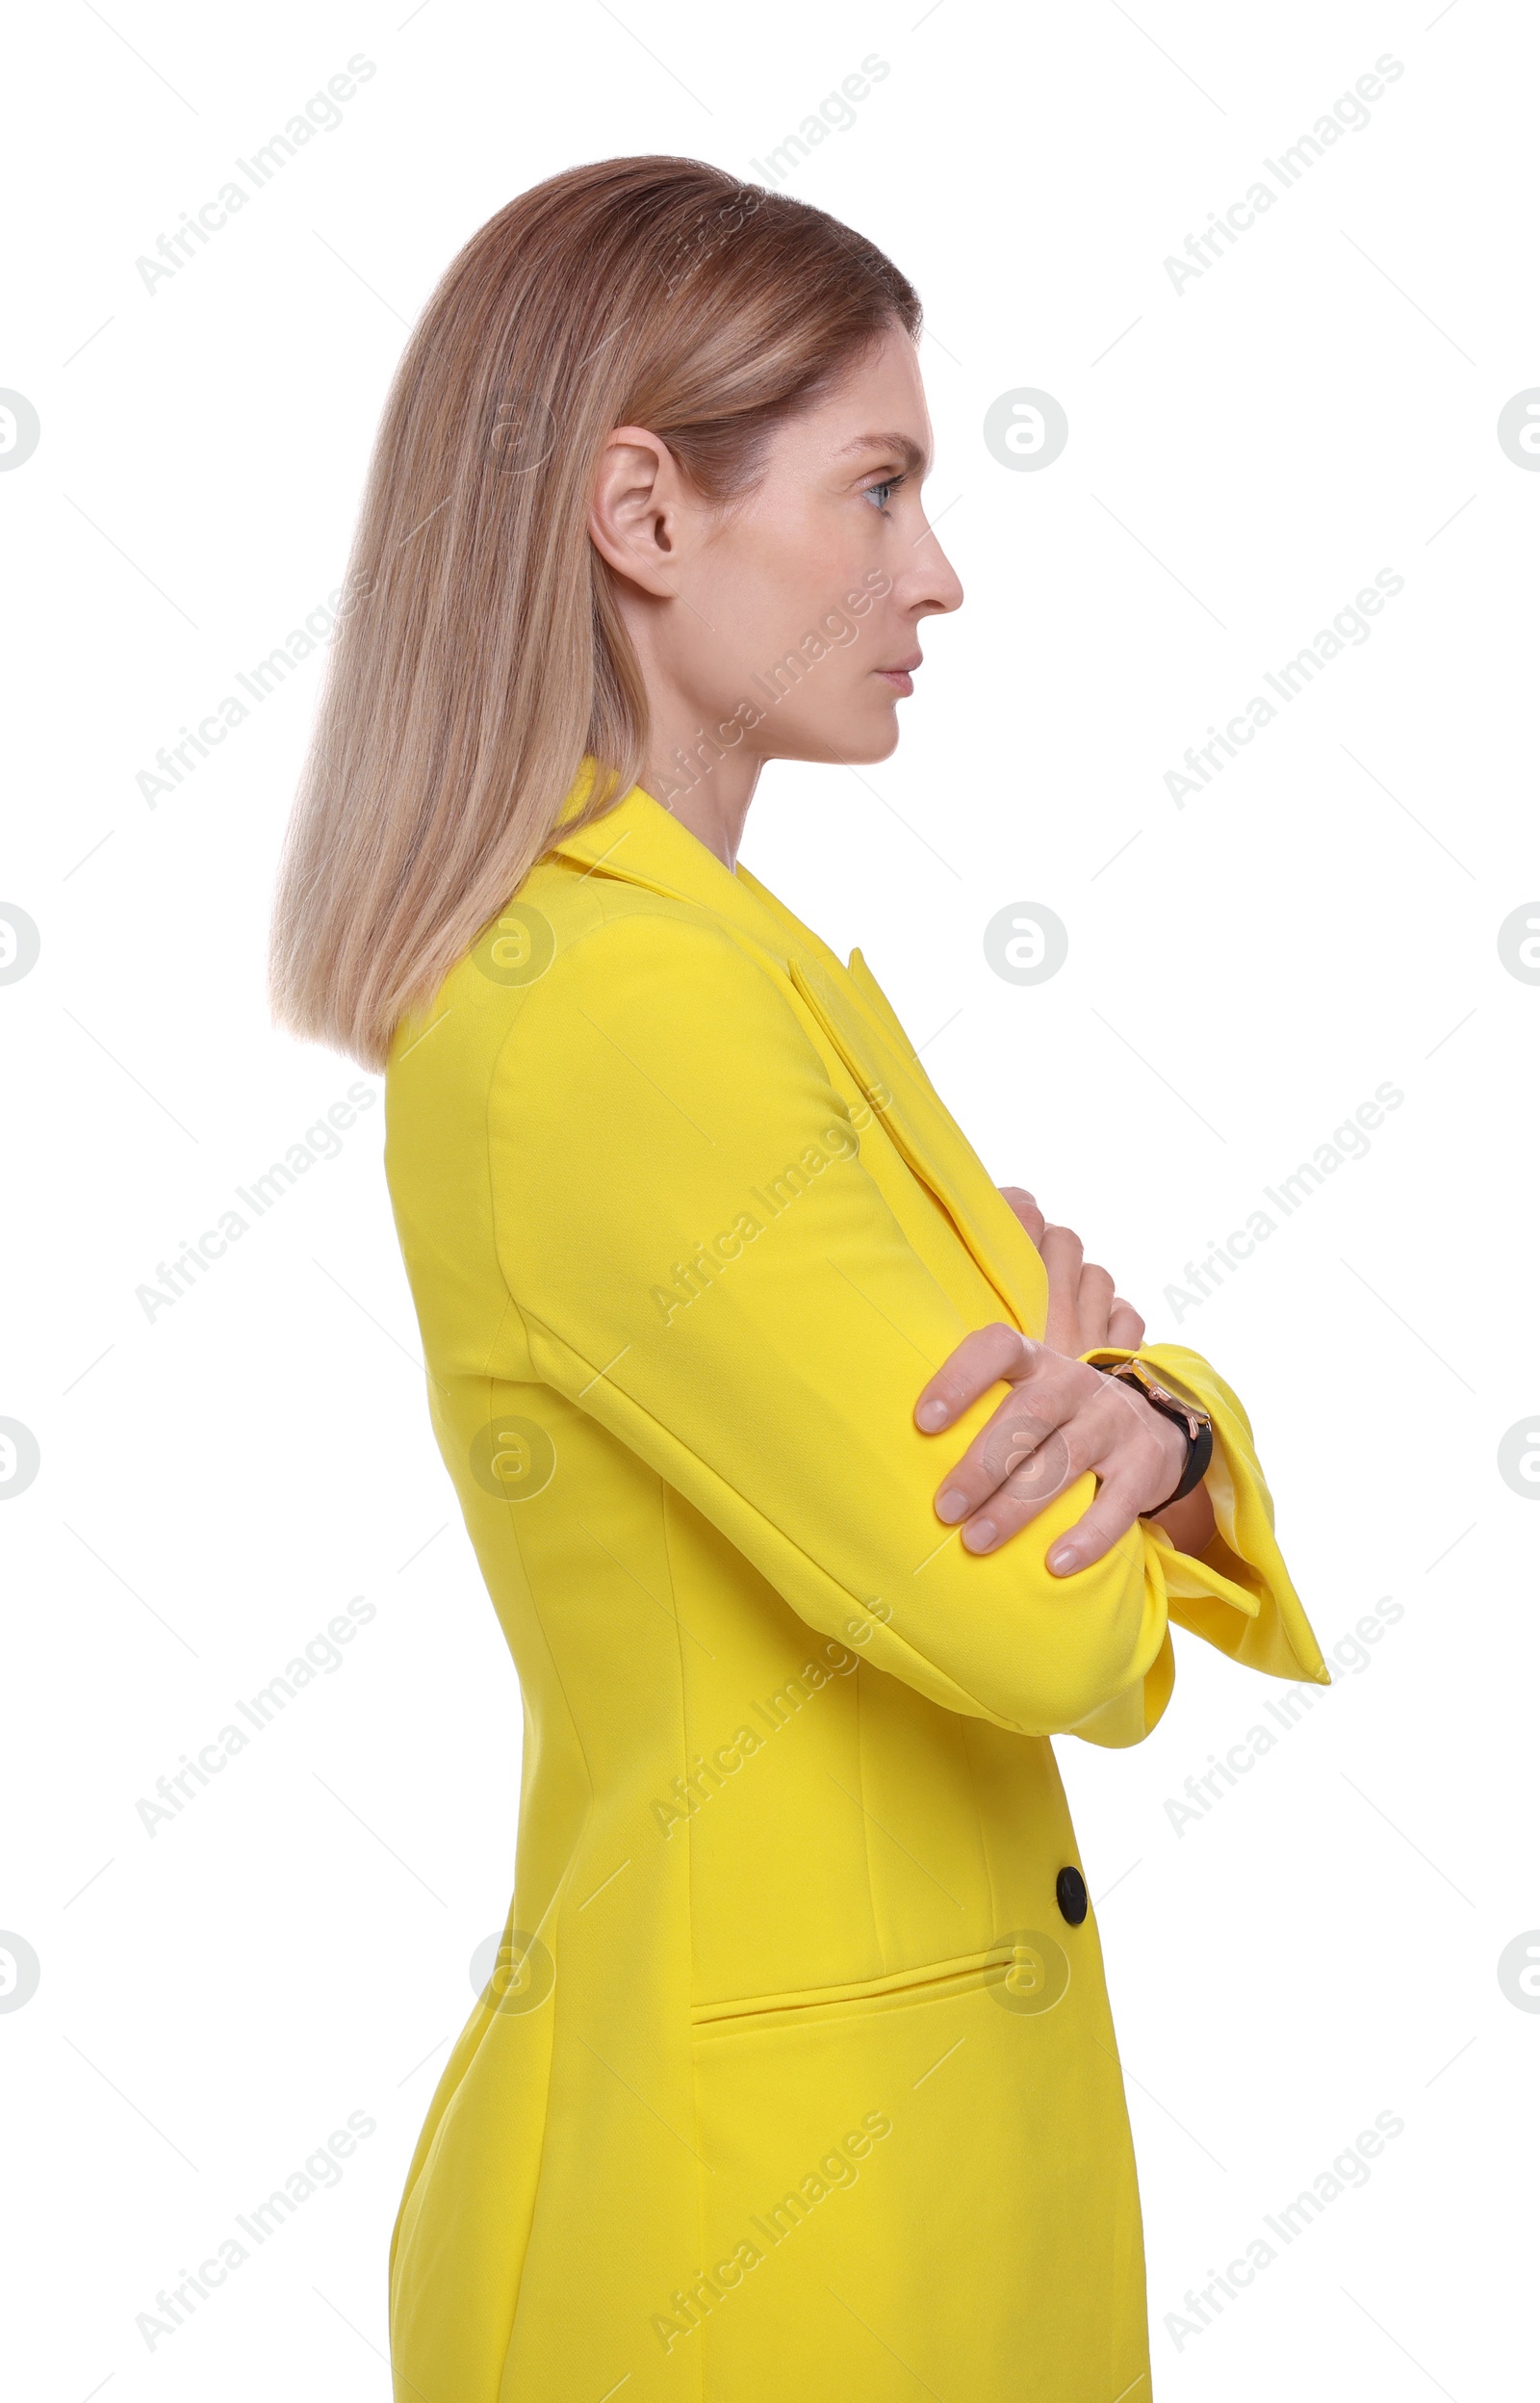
point(1239, 1596)
point(704, 1265)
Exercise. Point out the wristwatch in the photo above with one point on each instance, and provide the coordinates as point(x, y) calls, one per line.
point(1195, 1425)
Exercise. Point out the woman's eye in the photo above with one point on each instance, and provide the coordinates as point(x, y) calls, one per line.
point(879, 495)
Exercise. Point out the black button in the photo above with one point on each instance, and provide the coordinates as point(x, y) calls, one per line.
point(1073, 1899)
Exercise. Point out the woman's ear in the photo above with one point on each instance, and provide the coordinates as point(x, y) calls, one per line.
point(634, 517)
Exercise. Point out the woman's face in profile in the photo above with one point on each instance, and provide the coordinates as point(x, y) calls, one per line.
point(801, 600)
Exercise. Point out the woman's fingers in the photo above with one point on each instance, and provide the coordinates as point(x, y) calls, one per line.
point(1001, 1485)
point(1026, 1209)
point(1108, 1521)
point(1136, 1470)
point(1022, 1458)
point(1060, 1420)
point(1125, 1329)
point(1064, 1257)
point(1097, 1295)
point(1084, 1306)
point(981, 1360)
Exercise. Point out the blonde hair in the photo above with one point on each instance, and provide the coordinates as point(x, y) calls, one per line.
point(480, 659)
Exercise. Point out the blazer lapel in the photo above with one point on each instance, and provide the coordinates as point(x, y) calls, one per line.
point(641, 843)
point(881, 1008)
point(872, 1043)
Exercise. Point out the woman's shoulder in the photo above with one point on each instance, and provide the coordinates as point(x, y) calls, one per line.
point(571, 947)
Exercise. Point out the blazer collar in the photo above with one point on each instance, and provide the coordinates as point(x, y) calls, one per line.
point(641, 843)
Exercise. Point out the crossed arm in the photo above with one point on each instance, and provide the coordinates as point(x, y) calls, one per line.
point(775, 1389)
point(1060, 1418)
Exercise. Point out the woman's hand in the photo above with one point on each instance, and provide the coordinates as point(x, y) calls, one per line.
point(1083, 1311)
point(1059, 1419)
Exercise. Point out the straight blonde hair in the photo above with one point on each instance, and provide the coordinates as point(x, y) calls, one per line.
point(480, 658)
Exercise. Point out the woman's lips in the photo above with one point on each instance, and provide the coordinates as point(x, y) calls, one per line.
point(901, 679)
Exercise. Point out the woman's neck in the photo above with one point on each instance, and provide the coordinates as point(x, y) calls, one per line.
point(714, 807)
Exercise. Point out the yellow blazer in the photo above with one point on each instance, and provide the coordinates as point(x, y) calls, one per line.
point(797, 2077)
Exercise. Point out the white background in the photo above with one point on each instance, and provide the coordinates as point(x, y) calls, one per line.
point(1245, 455)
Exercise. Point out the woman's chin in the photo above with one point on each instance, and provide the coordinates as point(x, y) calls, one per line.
point(872, 738)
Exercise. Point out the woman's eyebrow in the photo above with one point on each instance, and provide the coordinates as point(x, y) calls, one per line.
point(915, 460)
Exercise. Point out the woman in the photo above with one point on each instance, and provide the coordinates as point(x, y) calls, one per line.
point(797, 2076)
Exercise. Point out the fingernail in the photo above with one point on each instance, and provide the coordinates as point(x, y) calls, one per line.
point(980, 1534)
point(952, 1504)
point(1063, 1558)
point(932, 1414)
